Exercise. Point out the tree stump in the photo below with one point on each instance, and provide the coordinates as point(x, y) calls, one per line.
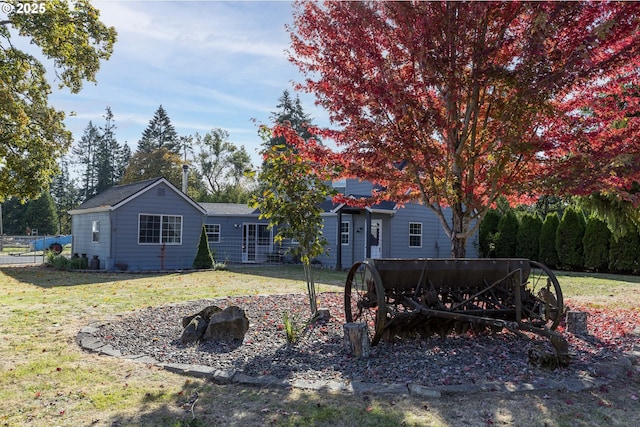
point(356, 339)
point(577, 322)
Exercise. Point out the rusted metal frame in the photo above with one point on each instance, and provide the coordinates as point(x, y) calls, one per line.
point(559, 343)
point(494, 284)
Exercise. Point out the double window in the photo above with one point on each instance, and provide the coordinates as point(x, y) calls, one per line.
point(156, 229)
point(415, 234)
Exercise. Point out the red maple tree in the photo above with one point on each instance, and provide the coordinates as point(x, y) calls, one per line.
point(456, 104)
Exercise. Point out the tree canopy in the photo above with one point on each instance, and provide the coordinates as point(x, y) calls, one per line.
point(460, 103)
point(32, 133)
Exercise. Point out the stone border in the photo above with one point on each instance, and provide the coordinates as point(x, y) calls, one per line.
point(605, 374)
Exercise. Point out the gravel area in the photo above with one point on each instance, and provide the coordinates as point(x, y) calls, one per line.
point(479, 359)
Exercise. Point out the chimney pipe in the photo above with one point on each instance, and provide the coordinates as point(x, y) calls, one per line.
point(185, 178)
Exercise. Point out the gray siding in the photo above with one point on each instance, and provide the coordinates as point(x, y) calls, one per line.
point(81, 228)
point(357, 187)
point(435, 243)
point(137, 256)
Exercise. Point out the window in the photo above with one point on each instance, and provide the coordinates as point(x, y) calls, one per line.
point(415, 234)
point(213, 232)
point(156, 229)
point(95, 231)
point(344, 233)
point(264, 235)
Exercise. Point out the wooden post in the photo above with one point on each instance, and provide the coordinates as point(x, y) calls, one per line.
point(356, 339)
point(577, 322)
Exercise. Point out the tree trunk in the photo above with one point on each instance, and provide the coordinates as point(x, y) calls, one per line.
point(458, 243)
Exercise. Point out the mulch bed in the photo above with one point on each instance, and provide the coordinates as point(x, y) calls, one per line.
point(471, 358)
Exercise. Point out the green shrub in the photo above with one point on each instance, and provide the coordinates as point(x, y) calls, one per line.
point(569, 237)
point(506, 237)
point(596, 244)
point(204, 258)
point(624, 253)
point(57, 261)
point(548, 254)
point(486, 234)
point(528, 245)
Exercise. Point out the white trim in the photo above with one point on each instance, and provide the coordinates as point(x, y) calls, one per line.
point(421, 235)
point(161, 230)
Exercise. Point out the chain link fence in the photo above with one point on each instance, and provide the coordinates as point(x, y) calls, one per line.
point(28, 250)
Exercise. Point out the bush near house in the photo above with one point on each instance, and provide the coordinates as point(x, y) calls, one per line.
point(204, 258)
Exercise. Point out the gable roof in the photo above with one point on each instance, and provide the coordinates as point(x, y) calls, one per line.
point(116, 196)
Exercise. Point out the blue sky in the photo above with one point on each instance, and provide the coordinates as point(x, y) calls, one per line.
point(211, 64)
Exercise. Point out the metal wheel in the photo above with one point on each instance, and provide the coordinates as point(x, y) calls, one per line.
point(544, 306)
point(56, 248)
point(364, 299)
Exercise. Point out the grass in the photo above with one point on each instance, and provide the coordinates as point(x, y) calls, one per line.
point(45, 379)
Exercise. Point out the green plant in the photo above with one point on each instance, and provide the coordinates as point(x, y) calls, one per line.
point(57, 261)
point(291, 328)
point(623, 254)
point(547, 242)
point(486, 234)
point(528, 237)
point(596, 244)
point(569, 237)
point(506, 237)
point(204, 258)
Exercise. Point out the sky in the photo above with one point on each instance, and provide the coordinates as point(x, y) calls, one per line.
point(210, 64)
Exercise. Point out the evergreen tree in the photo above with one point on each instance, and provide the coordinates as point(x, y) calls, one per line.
point(159, 134)
point(548, 253)
point(624, 254)
point(108, 156)
point(66, 196)
point(596, 244)
point(204, 258)
point(84, 152)
point(13, 216)
point(569, 237)
point(528, 245)
point(486, 233)
point(40, 214)
point(506, 237)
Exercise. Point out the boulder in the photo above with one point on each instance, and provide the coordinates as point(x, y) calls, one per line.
point(205, 313)
point(229, 325)
point(194, 330)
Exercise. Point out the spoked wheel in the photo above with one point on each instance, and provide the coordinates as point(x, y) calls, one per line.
point(364, 299)
point(546, 307)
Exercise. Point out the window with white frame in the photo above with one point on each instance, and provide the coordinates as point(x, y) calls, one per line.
point(415, 234)
point(264, 235)
point(95, 231)
point(213, 232)
point(345, 234)
point(156, 229)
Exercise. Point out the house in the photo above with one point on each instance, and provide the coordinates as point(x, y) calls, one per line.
point(147, 225)
point(151, 225)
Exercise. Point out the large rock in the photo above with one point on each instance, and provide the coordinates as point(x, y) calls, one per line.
point(194, 330)
point(230, 325)
point(205, 314)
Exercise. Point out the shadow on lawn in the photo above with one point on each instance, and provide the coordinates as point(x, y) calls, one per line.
point(323, 276)
point(46, 277)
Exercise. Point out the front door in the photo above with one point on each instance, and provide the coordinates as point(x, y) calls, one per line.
point(249, 233)
point(376, 238)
